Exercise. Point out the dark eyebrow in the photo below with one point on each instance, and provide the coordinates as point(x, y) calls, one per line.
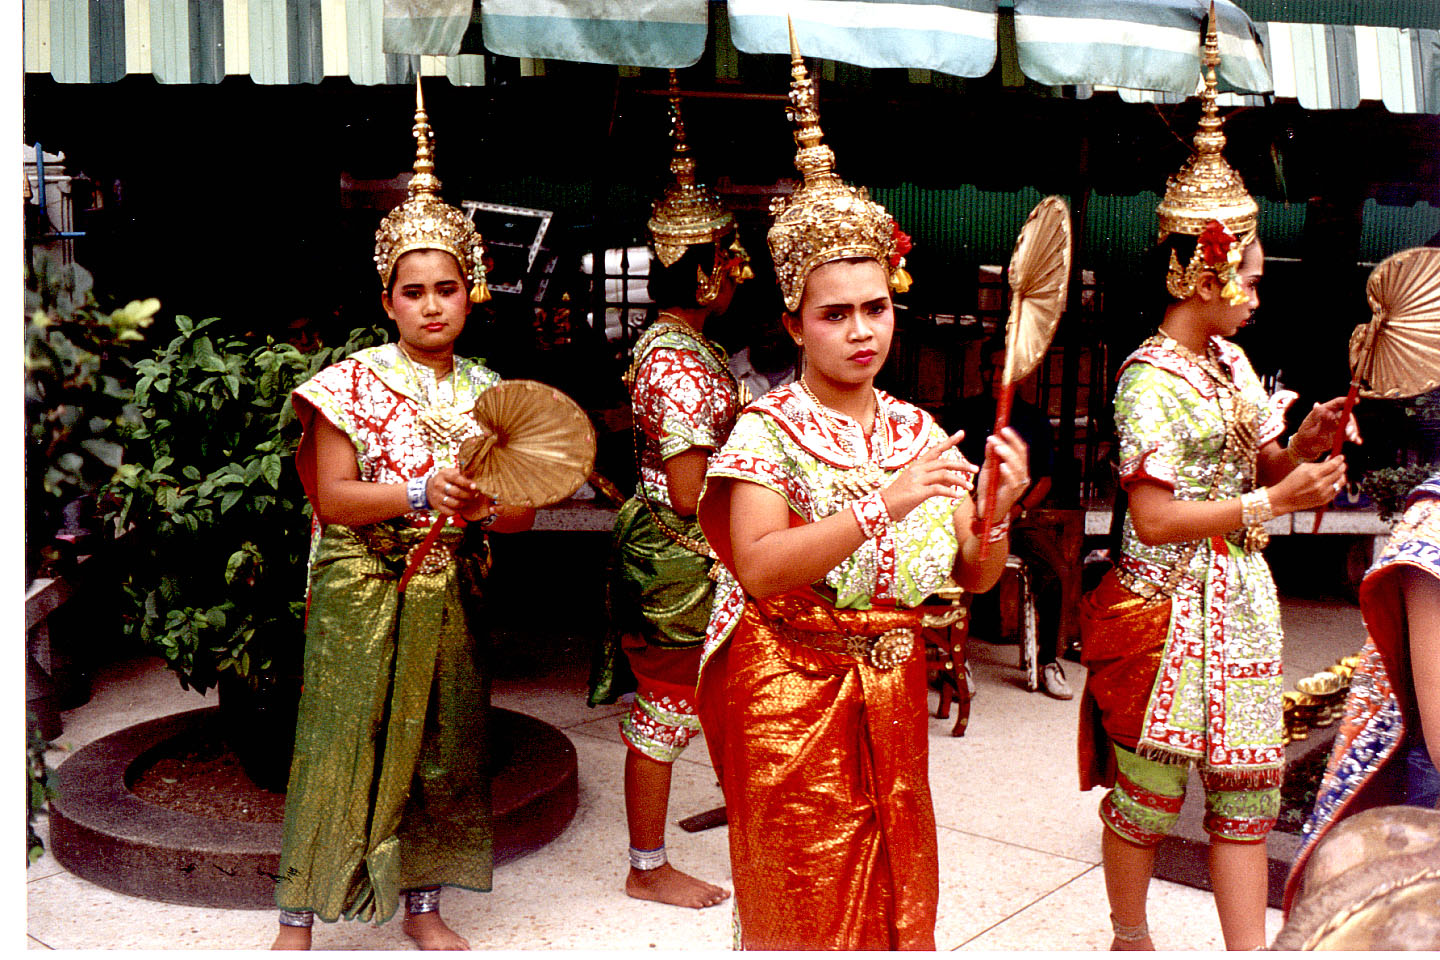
point(420, 286)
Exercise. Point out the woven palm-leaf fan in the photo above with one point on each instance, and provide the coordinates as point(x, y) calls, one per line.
point(1396, 354)
point(537, 449)
point(1039, 278)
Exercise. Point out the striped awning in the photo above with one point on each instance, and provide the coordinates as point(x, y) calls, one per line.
point(1329, 67)
point(952, 36)
point(1136, 46)
point(636, 33)
point(179, 41)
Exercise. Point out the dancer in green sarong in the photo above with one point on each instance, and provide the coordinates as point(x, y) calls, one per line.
point(389, 787)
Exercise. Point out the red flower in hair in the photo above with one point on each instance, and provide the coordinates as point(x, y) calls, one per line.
point(1215, 243)
point(902, 243)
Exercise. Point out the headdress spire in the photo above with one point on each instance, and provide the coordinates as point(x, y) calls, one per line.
point(423, 183)
point(825, 218)
point(425, 222)
point(1207, 198)
point(689, 212)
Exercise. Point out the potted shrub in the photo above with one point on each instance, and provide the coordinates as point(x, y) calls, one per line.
point(77, 401)
point(216, 526)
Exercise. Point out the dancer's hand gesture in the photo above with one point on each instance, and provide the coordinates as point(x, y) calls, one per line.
point(930, 476)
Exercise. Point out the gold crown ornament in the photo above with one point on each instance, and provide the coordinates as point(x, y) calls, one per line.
point(690, 213)
point(425, 222)
point(1207, 199)
point(825, 218)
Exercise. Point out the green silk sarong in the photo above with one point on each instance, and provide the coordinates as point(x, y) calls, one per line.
point(390, 782)
point(656, 588)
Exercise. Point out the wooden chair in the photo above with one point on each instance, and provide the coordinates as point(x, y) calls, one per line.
point(945, 628)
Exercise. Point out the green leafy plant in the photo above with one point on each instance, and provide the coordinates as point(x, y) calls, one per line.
point(39, 787)
point(77, 400)
point(1389, 487)
point(214, 520)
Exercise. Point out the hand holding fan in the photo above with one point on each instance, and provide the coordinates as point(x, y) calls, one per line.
point(1039, 276)
point(1396, 354)
point(537, 449)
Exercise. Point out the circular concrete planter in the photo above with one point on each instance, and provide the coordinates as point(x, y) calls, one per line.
point(101, 831)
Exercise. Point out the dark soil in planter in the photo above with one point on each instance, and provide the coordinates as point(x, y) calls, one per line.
point(202, 776)
point(1297, 793)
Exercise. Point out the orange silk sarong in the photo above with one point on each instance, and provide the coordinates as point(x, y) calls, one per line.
point(1122, 640)
point(824, 763)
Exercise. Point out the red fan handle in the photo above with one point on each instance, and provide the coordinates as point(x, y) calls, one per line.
point(1350, 399)
point(992, 472)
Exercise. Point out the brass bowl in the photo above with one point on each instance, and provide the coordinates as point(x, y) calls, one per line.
point(1320, 684)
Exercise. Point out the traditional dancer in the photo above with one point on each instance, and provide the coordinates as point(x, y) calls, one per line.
point(1388, 747)
point(1182, 640)
point(839, 509)
point(390, 787)
point(684, 399)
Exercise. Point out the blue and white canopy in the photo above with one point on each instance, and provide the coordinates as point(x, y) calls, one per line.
point(1147, 49)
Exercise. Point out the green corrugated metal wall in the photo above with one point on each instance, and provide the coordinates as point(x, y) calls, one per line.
point(1376, 13)
point(1389, 229)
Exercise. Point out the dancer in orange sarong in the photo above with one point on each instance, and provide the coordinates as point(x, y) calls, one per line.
point(838, 509)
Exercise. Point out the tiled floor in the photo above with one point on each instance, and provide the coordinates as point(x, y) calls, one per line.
point(1019, 844)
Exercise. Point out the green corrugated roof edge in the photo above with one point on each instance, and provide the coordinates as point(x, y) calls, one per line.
point(1373, 13)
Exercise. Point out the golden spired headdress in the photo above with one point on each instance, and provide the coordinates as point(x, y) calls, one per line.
point(425, 222)
point(1207, 199)
point(825, 218)
point(690, 213)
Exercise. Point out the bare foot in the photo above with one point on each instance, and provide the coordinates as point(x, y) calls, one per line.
point(292, 938)
point(430, 933)
point(665, 884)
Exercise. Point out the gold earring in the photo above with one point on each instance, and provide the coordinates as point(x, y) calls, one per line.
point(707, 288)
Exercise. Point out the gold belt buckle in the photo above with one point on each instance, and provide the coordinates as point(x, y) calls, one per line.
point(885, 652)
point(441, 555)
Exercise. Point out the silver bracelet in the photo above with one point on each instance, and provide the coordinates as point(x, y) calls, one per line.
point(1129, 933)
point(648, 859)
point(297, 918)
point(417, 490)
point(422, 901)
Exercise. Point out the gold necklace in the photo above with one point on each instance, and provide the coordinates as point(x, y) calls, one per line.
point(438, 425)
point(1242, 426)
point(865, 475)
point(1243, 413)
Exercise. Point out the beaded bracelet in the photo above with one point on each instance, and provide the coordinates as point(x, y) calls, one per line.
point(872, 515)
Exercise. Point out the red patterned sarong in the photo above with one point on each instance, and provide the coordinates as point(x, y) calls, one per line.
point(1122, 639)
point(824, 762)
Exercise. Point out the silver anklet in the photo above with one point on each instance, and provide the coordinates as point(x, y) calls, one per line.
point(648, 859)
point(297, 918)
point(422, 901)
point(1127, 933)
